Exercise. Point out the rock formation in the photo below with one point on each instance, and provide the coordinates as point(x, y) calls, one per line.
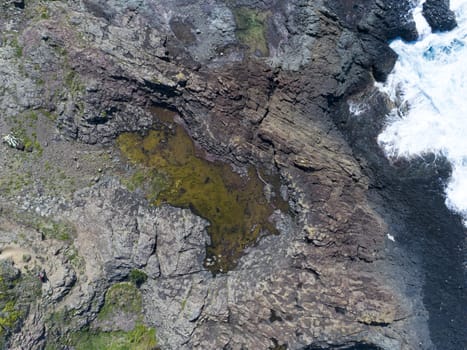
point(438, 15)
point(254, 83)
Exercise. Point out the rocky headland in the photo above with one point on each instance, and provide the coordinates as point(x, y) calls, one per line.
point(205, 175)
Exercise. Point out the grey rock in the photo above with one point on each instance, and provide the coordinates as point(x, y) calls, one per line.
point(181, 242)
point(171, 305)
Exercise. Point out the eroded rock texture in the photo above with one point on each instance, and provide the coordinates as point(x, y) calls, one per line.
point(259, 98)
point(438, 15)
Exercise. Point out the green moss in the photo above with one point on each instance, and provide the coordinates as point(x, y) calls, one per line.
point(10, 317)
point(29, 139)
point(121, 297)
point(140, 338)
point(183, 305)
point(137, 277)
point(37, 10)
point(17, 292)
point(235, 206)
point(12, 185)
point(49, 115)
point(251, 29)
point(18, 49)
point(32, 117)
point(58, 325)
point(76, 260)
point(43, 12)
point(149, 180)
point(56, 181)
point(29, 171)
point(73, 82)
point(51, 229)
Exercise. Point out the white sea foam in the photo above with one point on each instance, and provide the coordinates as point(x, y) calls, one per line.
point(423, 28)
point(429, 85)
point(357, 108)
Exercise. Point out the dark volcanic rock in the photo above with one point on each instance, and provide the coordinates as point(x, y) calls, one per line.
point(383, 19)
point(19, 3)
point(411, 194)
point(438, 15)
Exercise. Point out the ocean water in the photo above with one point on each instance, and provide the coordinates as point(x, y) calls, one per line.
point(429, 86)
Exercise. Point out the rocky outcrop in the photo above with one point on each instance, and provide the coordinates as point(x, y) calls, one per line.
point(438, 15)
point(263, 97)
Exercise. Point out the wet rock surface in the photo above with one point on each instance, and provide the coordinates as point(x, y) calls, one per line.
point(438, 15)
point(253, 83)
point(412, 202)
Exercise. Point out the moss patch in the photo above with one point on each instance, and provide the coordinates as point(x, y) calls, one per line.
point(17, 292)
point(60, 230)
point(235, 206)
point(121, 298)
point(10, 314)
point(24, 128)
point(251, 29)
point(140, 338)
point(49, 228)
point(76, 260)
point(137, 277)
point(10, 185)
point(18, 49)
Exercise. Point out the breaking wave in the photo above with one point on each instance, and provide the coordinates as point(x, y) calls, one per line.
point(429, 86)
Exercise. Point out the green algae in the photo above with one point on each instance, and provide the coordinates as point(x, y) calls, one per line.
point(251, 29)
point(235, 206)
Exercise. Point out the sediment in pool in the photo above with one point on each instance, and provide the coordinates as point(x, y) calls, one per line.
point(170, 169)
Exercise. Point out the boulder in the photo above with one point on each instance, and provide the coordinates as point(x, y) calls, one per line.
point(439, 16)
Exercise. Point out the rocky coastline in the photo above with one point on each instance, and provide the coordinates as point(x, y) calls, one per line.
point(284, 87)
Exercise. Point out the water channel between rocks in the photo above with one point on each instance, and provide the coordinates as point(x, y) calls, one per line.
point(170, 169)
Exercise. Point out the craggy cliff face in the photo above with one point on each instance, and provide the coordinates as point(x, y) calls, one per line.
point(104, 195)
